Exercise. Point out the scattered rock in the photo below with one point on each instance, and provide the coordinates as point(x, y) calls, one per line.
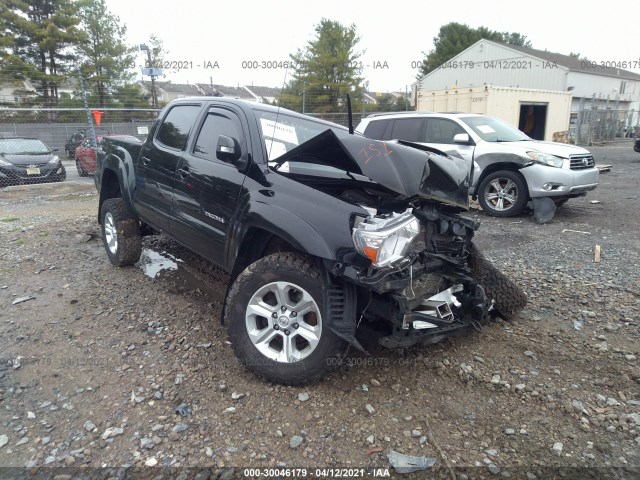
point(509, 431)
point(303, 397)
point(89, 426)
point(183, 410)
point(151, 462)
point(296, 441)
point(369, 408)
point(3, 440)
point(31, 415)
point(112, 432)
point(237, 396)
point(557, 449)
point(371, 439)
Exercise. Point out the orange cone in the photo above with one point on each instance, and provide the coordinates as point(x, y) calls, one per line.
point(97, 116)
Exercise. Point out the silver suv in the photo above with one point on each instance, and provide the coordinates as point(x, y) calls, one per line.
point(509, 168)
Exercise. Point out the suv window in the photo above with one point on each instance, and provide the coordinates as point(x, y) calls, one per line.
point(218, 122)
point(409, 129)
point(440, 130)
point(376, 129)
point(174, 131)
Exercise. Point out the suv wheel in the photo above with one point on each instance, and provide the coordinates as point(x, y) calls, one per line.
point(503, 193)
point(81, 171)
point(274, 320)
point(120, 233)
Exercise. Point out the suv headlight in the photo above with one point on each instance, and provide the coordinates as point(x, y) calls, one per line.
point(546, 159)
point(55, 159)
point(384, 240)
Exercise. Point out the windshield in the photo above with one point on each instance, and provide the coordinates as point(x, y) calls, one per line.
point(23, 146)
point(494, 130)
point(289, 131)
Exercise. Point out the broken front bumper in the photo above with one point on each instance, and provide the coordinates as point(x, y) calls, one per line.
point(545, 181)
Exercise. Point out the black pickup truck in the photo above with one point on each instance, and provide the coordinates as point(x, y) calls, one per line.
point(318, 228)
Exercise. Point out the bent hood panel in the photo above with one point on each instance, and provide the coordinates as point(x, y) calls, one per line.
point(408, 171)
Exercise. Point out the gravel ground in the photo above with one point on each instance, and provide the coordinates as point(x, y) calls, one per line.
point(111, 367)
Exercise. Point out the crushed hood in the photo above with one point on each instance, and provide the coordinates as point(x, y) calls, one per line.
point(409, 171)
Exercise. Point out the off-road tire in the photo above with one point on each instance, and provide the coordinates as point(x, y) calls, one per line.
point(509, 297)
point(303, 272)
point(521, 190)
point(129, 239)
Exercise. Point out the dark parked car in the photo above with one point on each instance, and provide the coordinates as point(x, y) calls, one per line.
point(86, 154)
point(28, 160)
point(636, 144)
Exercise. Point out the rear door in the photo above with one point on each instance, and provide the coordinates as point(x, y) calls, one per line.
point(439, 134)
point(157, 164)
point(207, 189)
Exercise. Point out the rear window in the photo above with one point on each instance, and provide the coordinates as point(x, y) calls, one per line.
point(376, 129)
point(409, 129)
point(175, 128)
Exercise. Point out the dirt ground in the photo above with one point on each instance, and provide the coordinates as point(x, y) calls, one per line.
point(94, 367)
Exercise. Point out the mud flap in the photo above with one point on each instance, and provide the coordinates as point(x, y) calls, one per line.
point(544, 209)
point(340, 304)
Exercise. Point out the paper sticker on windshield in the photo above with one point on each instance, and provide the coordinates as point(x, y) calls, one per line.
point(275, 149)
point(485, 129)
point(278, 131)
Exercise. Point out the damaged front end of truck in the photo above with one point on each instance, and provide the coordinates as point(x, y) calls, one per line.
point(413, 271)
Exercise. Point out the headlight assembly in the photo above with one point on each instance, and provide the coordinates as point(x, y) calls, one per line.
point(545, 159)
point(384, 240)
point(55, 159)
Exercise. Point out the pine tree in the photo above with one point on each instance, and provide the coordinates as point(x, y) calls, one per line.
point(326, 70)
point(38, 40)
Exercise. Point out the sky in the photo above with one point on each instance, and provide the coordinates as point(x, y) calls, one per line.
point(220, 41)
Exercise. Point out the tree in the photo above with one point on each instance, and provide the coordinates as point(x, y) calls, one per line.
point(106, 59)
point(454, 37)
point(326, 70)
point(158, 51)
point(37, 43)
point(389, 103)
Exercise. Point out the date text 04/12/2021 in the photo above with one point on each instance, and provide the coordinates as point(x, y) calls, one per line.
point(315, 472)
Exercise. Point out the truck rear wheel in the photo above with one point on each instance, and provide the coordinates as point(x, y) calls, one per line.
point(274, 321)
point(120, 233)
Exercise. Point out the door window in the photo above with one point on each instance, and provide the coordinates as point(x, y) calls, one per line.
point(409, 129)
point(174, 130)
point(440, 130)
point(376, 129)
point(218, 122)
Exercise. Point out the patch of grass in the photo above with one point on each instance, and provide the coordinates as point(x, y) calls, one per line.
point(20, 241)
point(9, 219)
point(43, 234)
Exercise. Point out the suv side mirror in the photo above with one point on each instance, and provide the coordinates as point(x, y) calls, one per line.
point(228, 149)
point(461, 138)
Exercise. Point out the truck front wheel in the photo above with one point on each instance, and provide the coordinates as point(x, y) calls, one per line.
point(274, 320)
point(120, 233)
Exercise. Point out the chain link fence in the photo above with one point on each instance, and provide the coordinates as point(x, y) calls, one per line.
point(41, 145)
point(596, 125)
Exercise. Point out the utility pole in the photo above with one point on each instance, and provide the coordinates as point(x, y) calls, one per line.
point(150, 70)
point(304, 94)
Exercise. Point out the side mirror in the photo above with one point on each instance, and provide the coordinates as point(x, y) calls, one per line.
point(228, 149)
point(461, 138)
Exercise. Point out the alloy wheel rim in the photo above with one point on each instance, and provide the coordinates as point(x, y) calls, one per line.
point(110, 233)
point(283, 322)
point(501, 194)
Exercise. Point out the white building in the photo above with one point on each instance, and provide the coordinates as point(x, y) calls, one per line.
point(594, 85)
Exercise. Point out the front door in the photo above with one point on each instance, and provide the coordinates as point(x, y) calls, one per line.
point(206, 188)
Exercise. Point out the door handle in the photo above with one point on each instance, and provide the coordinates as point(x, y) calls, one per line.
point(184, 172)
point(146, 160)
